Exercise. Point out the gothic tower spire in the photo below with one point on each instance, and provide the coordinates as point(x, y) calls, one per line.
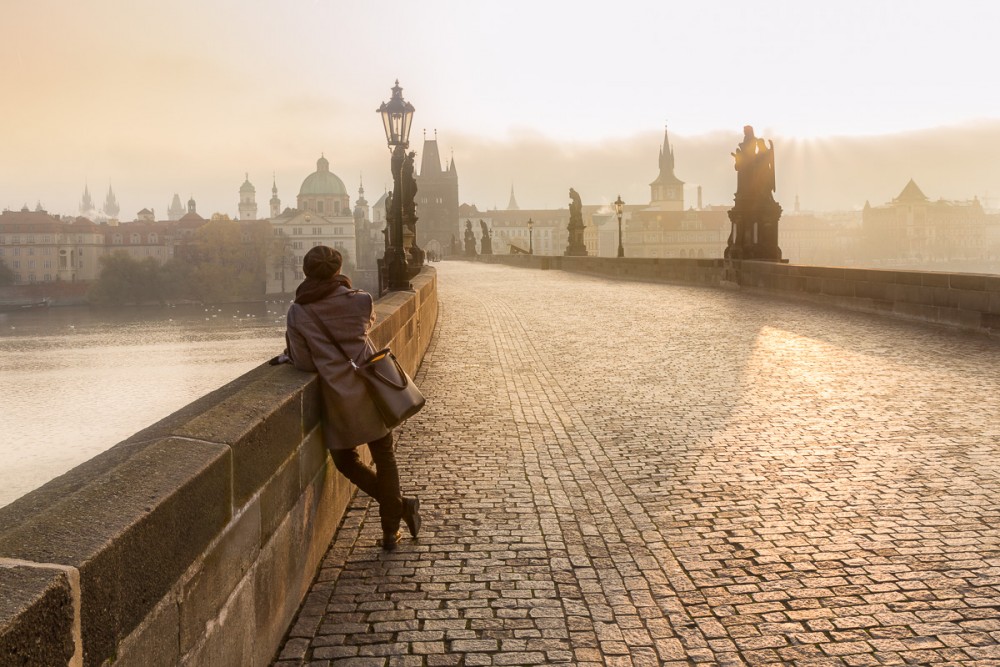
point(275, 202)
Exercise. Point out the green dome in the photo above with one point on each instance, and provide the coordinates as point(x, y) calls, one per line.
point(322, 182)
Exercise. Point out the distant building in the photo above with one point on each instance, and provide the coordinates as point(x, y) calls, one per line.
point(275, 203)
point(912, 230)
point(86, 208)
point(512, 203)
point(664, 228)
point(40, 248)
point(248, 200)
point(661, 228)
point(111, 207)
point(323, 217)
point(821, 239)
point(667, 191)
point(176, 209)
point(437, 201)
point(109, 211)
point(547, 234)
point(370, 245)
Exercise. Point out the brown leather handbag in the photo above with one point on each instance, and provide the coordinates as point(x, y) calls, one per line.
point(392, 391)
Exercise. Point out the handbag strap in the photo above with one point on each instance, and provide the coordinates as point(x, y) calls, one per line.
point(326, 330)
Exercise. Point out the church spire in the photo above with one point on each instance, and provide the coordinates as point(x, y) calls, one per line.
point(667, 191)
point(86, 203)
point(512, 204)
point(275, 202)
point(111, 208)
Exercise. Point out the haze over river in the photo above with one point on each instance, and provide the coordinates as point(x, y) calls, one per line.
point(76, 381)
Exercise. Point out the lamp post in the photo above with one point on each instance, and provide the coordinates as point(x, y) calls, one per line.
point(531, 238)
point(619, 209)
point(397, 116)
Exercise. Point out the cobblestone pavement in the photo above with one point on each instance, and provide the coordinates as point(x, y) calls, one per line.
point(622, 473)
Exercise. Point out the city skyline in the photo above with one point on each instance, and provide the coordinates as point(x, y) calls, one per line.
point(155, 100)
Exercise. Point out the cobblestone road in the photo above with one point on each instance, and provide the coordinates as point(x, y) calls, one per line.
point(618, 473)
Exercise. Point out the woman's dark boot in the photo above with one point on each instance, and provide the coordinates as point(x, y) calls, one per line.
point(389, 541)
point(411, 515)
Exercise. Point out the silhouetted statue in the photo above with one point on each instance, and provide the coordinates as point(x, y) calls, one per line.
point(470, 240)
point(486, 240)
point(576, 246)
point(409, 184)
point(754, 217)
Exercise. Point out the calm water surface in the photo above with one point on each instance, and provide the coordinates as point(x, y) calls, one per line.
point(75, 381)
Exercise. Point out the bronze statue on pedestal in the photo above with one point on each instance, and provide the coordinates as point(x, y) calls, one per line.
point(576, 246)
point(470, 240)
point(754, 217)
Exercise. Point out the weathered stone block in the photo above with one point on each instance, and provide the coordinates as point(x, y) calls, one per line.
point(934, 279)
point(915, 294)
point(313, 456)
point(130, 533)
point(967, 281)
point(261, 425)
point(311, 402)
point(231, 641)
point(970, 300)
point(871, 290)
point(916, 311)
point(944, 297)
point(908, 277)
point(154, 642)
point(994, 306)
point(279, 496)
point(36, 617)
point(214, 576)
point(836, 287)
point(277, 583)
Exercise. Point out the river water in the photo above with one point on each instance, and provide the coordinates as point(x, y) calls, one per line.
point(75, 381)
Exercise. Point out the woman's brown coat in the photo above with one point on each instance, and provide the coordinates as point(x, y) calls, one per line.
point(349, 416)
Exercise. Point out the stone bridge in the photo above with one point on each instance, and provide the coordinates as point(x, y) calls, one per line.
point(627, 473)
point(612, 472)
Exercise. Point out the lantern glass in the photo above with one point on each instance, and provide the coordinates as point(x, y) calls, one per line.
point(619, 206)
point(397, 117)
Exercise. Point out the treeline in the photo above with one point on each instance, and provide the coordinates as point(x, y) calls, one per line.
point(222, 262)
point(6, 274)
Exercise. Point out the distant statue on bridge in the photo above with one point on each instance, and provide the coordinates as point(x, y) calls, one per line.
point(486, 240)
point(576, 246)
point(754, 217)
point(409, 185)
point(470, 240)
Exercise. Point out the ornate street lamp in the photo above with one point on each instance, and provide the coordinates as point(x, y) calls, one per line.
point(397, 116)
point(531, 238)
point(619, 209)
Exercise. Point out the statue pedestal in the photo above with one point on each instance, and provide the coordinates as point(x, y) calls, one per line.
point(576, 246)
point(754, 233)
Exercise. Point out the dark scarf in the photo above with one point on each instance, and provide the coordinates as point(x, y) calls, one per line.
point(314, 289)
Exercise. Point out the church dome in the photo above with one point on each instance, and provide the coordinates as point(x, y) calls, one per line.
point(322, 182)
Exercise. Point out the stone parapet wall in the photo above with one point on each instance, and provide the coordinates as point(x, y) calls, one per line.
point(965, 301)
point(194, 541)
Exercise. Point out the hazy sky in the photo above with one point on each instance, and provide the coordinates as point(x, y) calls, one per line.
point(185, 96)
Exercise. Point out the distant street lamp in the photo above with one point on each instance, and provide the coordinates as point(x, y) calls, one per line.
point(531, 244)
point(397, 116)
point(619, 209)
